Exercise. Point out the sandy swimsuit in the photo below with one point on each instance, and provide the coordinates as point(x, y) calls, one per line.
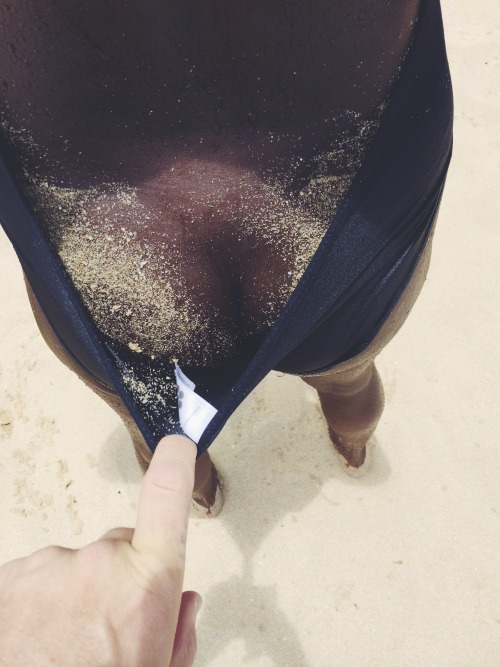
point(364, 262)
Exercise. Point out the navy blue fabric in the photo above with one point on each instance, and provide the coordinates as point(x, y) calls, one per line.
point(362, 266)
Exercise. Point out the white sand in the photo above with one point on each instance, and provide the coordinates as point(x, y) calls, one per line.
point(306, 567)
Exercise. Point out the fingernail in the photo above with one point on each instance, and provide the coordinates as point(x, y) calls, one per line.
point(198, 604)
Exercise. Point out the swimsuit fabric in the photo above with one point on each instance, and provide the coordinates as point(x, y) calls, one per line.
point(353, 282)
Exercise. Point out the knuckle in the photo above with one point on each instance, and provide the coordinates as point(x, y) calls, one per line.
point(170, 480)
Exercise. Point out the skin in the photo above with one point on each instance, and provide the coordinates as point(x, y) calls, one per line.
point(188, 102)
point(117, 602)
point(223, 70)
point(239, 72)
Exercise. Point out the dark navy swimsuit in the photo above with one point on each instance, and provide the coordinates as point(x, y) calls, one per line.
point(353, 282)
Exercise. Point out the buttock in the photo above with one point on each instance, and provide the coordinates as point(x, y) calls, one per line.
point(371, 242)
point(392, 324)
point(187, 211)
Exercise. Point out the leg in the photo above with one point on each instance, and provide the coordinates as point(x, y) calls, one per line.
point(352, 403)
point(207, 493)
point(351, 394)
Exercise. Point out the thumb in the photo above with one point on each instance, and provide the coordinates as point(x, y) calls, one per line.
point(184, 650)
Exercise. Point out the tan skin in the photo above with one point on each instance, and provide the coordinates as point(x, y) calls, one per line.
point(235, 72)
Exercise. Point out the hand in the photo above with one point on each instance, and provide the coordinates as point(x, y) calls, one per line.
point(117, 602)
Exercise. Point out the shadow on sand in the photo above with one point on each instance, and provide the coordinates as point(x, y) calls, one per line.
point(275, 458)
point(273, 466)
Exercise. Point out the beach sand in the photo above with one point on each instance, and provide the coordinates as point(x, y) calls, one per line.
point(305, 566)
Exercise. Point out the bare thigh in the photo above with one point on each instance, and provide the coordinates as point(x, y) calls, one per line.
point(352, 367)
point(351, 394)
point(205, 492)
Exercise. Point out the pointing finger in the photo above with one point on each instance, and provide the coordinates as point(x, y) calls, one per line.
point(162, 516)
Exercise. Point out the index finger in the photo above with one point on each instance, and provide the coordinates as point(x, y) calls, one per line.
point(163, 512)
